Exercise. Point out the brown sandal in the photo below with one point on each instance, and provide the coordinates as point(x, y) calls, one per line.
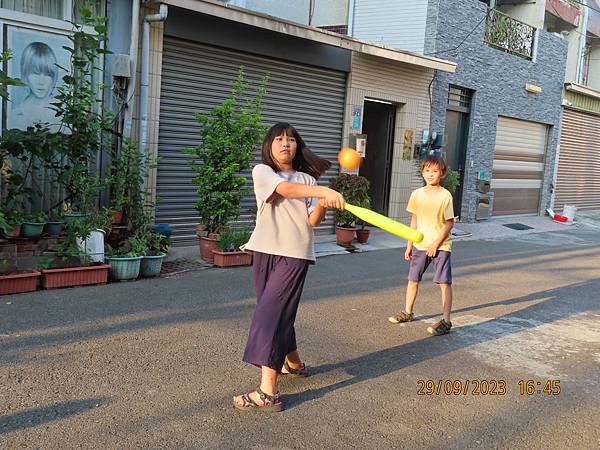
point(270, 403)
point(301, 372)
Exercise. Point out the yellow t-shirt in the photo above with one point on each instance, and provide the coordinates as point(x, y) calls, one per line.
point(432, 210)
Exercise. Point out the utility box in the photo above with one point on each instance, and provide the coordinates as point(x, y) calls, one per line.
point(485, 205)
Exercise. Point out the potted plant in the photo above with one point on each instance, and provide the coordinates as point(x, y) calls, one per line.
point(78, 262)
point(230, 134)
point(119, 170)
point(13, 280)
point(229, 253)
point(33, 225)
point(355, 190)
point(126, 259)
point(10, 223)
point(157, 247)
point(55, 223)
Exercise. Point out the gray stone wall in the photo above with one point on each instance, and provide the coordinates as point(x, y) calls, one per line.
point(498, 80)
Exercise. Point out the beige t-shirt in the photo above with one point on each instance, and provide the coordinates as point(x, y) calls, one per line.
point(282, 226)
point(432, 210)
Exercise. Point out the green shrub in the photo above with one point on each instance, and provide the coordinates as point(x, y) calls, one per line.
point(355, 190)
point(230, 239)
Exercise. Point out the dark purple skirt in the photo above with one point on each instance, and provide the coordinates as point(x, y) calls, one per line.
point(278, 281)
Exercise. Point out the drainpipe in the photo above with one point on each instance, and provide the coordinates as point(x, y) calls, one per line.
point(351, 6)
point(144, 69)
point(133, 55)
point(582, 42)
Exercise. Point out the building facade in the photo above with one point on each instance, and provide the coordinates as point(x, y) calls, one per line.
point(500, 111)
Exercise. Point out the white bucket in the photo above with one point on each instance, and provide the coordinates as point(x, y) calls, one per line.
point(93, 246)
point(569, 212)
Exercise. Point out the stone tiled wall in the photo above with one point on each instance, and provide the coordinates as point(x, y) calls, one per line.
point(498, 80)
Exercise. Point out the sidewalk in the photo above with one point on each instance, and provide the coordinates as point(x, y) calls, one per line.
point(486, 230)
point(188, 257)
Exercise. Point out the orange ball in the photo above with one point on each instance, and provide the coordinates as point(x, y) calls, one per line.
point(349, 158)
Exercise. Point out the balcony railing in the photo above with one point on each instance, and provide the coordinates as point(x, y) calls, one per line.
point(508, 34)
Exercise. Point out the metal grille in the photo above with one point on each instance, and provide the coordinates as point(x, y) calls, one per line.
point(458, 96)
point(196, 77)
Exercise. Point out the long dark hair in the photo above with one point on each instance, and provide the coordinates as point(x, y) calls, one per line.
point(304, 161)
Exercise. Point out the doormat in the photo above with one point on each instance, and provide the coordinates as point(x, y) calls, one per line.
point(517, 226)
point(180, 266)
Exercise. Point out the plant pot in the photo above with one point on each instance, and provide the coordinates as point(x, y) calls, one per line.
point(53, 229)
point(344, 236)
point(124, 268)
point(31, 229)
point(151, 265)
point(362, 236)
point(207, 246)
point(117, 217)
point(16, 231)
point(18, 282)
point(93, 246)
point(74, 276)
point(232, 259)
point(74, 217)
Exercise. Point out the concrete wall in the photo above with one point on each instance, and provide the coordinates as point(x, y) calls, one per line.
point(408, 87)
point(531, 13)
point(498, 79)
point(325, 12)
point(398, 24)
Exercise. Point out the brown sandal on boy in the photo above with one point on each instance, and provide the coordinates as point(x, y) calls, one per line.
point(270, 403)
point(301, 372)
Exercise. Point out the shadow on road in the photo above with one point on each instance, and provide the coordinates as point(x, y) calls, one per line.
point(555, 304)
point(34, 417)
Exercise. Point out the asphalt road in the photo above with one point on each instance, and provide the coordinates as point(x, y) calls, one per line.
point(153, 364)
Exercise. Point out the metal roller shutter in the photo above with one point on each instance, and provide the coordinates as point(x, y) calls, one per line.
point(578, 175)
point(518, 168)
point(196, 77)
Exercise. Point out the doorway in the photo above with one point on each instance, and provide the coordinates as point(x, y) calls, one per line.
point(379, 121)
point(457, 131)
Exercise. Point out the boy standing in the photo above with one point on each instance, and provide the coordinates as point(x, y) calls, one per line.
point(432, 214)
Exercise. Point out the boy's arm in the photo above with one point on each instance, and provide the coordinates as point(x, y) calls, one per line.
point(413, 224)
point(448, 224)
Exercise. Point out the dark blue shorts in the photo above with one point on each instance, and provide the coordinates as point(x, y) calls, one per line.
point(441, 264)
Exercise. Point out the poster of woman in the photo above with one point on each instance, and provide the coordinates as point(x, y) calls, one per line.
point(36, 57)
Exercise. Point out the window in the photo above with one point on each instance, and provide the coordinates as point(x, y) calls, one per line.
point(54, 9)
point(458, 96)
point(47, 8)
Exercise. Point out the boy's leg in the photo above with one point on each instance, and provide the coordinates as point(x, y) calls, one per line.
point(446, 300)
point(443, 277)
point(412, 289)
point(418, 264)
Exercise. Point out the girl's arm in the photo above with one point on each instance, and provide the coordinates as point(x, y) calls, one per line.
point(317, 215)
point(331, 198)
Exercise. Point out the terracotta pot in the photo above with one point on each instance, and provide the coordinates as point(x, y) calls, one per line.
point(362, 236)
point(117, 217)
point(74, 276)
point(344, 236)
point(207, 245)
point(19, 282)
point(232, 259)
point(16, 231)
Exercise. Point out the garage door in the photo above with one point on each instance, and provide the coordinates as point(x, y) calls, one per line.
point(578, 176)
point(196, 77)
point(518, 168)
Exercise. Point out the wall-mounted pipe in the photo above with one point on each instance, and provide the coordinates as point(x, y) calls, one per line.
point(133, 55)
point(145, 75)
